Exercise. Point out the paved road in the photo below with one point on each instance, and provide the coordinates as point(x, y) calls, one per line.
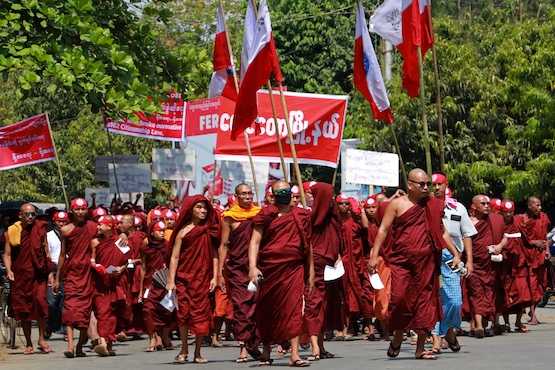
point(534, 350)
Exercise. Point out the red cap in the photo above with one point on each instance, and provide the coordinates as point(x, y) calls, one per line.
point(507, 206)
point(341, 198)
point(158, 226)
point(106, 220)
point(60, 216)
point(371, 201)
point(119, 218)
point(439, 178)
point(307, 185)
point(97, 212)
point(295, 190)
point(495, 203)
point(79, 203)
point(170, 215)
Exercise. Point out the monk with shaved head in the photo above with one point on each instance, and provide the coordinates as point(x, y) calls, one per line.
point(26, 259)
point(415, 223)
point(535, 224)
point(479, 287)
point(279, 250)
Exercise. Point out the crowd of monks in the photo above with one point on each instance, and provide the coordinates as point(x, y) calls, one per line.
point(415, 265)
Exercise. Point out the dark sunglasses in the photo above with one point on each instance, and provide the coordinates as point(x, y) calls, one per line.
point(29, 214)
point(281, 192)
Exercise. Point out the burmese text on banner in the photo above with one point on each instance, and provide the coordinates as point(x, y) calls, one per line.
point(26, 142)
point(317, 122)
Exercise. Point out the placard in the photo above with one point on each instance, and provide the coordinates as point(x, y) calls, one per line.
point(371, 168)
point(131, 178)
point(173, 164)
point(101, 165)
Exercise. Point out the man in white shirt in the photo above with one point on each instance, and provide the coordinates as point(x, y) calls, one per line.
point(55, 301)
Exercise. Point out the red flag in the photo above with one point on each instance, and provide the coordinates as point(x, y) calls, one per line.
point(222, 78)
point(367, 75)
point(262, 63)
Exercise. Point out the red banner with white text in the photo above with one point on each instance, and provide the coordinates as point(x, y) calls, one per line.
point(166, 126)
point(26, 142)
point(317, 123)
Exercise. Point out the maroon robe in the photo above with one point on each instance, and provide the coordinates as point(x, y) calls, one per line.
point(30, 268)
point(77, 276)
point(516, 283)
point(236, 273)
point(135, 242)
point(110, 298)
point(536, 229)
point(155, 255)
point(326, 241)
point(281, 259)
point(480, 287)
point(414, 263)
point(195, 267)
point(358, 291)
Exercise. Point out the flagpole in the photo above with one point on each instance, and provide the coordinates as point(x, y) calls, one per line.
point(438, 95)
point(214, 171)
point(398, 150)
point(424, 118)
point(236, 84)
point(292, 144)
point(112, 155)
point(278, 134)
point(57, 162)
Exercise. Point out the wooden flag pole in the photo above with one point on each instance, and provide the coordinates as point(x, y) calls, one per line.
point(292, 144)
point(112, 155)
point(424, 118)
point(214, 171)
point(398, 150)
point(236, 84)
point(438, 97)
point(278, 134)
point(57, 162)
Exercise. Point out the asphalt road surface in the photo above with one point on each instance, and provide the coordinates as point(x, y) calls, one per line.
point(533, 350)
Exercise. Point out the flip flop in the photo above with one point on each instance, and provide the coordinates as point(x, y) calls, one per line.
point(521, 329)
point(425, 355)
point(392, 351)
point(102, 349)
point(268, 362)
point(453, 345)
point(241, 360)
point(44, 349)
point(312, 358)
point(436, 351)
point(80, 354)
point(180, 359)
point(28, 351)
point(150, 349)
point(326, 354)
point(69, 354)
point(200, 360)
point(300, 363)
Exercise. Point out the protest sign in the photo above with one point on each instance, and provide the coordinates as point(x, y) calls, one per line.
point(317, 123)
point(104, 197)
point(101, 165)
point(371, 168)
point(26, 142)
point(202, 116)
point(173, 164)
point(131, 178)
point(167, 125)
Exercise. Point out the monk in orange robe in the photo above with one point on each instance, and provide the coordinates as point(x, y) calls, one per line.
point(418, 238)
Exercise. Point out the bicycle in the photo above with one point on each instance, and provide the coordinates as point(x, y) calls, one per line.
point(8, 325)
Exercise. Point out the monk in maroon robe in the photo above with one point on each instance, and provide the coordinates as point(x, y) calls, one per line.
point(111, 288)
point(155, 252)
point(279, 251)
point(326, 242)
point(193, 270)
point(74, 269)
point(517, 289)
point(358, 291)
point(535, 225)
point(418, 237)
point(234, 269)
point(480, 286)
point(27, 268)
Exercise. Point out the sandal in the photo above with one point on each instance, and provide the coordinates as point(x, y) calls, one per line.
point(453, 345)
point(436, 351)
point(80, 354)
point(241, 360)
point(150, 349)
point(180, 358)
point(45, 348)
point(200, 360)
point(392, 351)
point(69, 354)
point(312, 358)
point(326, 354)
point(268, 362)
point(102, 349)
point(300, 363)
point(425, 355)
point(28, 351)
point(479, 333)
point(521, 328)
point(372, 337)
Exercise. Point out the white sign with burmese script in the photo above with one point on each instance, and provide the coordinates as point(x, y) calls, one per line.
point(173, 164)
point(371, 168)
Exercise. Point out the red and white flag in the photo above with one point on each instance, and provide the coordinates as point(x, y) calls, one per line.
point(222, 78)
point(367, 74)
point(406, 24)
point(261, 62)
